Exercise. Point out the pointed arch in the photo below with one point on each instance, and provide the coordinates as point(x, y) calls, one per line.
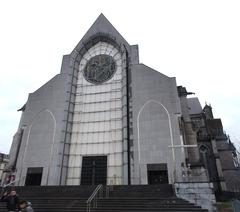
point(35, 120)
point(138, 130)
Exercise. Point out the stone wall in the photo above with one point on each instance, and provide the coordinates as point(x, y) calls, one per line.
point(199, 193)
point(155, 105)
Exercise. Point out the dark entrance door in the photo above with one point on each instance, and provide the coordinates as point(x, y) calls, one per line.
point(157, 177)
point(157, 173)
point(94, 170)
point(34, 176)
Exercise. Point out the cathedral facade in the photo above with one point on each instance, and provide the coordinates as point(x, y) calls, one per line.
point(105, 119)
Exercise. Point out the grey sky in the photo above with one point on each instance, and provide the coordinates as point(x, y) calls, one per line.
point(198, 42)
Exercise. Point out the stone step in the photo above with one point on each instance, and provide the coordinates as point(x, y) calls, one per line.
point(122, 199)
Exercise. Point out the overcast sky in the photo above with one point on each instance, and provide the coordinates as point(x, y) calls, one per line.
point(198, 42)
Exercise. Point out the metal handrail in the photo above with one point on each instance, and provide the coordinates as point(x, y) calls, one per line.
point(108, 190)
point(94, 197)
point(14, 181)
point(7, 185)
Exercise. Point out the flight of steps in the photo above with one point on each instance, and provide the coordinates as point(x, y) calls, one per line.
point(144, 198)
point(55, 198)
point(121, 199)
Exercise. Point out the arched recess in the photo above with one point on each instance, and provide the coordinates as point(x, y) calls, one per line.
point(158, 117)
point(76, 58)
point(38, 150)
point(205, 155)
point(81, 49)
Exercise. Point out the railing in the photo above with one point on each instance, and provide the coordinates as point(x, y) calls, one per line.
point(93, 199)
point(7, 185)
point(108, 190)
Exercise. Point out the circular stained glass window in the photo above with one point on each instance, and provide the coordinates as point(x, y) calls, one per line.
point(99, 69)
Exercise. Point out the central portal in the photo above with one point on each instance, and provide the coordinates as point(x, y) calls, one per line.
point(94, 170)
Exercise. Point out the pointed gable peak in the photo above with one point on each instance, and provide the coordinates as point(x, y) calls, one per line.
point(102, 18)
point(102, 26)
point(101, 23)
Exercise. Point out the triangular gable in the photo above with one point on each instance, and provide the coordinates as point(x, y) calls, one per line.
point(101, 27)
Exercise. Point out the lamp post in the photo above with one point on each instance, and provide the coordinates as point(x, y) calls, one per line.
point(138, 133)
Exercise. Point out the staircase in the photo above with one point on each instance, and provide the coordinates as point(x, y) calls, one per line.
point(55, 198)
point(121, 199)
point(144, 198)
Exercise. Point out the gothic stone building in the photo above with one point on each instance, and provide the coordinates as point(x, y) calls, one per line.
point(217, 152)
point(106, 118)
point(4, 159)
